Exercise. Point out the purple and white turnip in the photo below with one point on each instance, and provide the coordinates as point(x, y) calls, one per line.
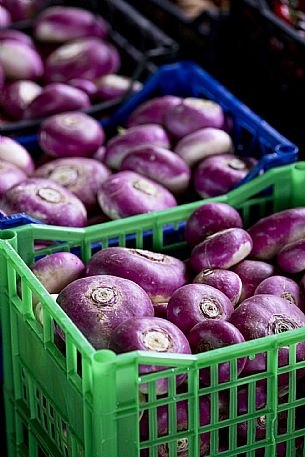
point(226, 281)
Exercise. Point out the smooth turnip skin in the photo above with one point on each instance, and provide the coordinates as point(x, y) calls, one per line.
point(56, 98)
point(219, 174)
point(13, 152)
point(158, 274)
point(46, 201)
point(22, 10)
point(20, 61)
point(83, 177)
point(221, 250)
point(113, 86)
point(127, 193)
point(10, 175)
point(226, 281)
point(100, 154)
point(213, 334)
point(272, 233)
point(86, 58)
point(203, 143)
point(152, 111)
point(161, 165)
point(84, 85)
point(17, 96)
point(291, 257)
point(182, 425)
point(264, 315)
point(97, 305)
point(120, 145)
point(5, 17)
point(16, 35)
point(282, 287)
point(59, 24)
point(72, 134)
point(192, 114)
point(1, 79)
point(252, 273)
point(150, 334)
point(209, 219)
point(195, 303)
point(56, 271)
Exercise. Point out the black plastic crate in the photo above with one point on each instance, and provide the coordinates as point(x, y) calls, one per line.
point(142, 46)
point(199, 37)
point(268, 64)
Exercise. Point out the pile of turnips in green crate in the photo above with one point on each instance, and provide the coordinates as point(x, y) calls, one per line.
point(237, 285)
point(172, 149)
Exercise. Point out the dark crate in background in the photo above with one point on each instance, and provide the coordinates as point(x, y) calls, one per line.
point(200, 38)
point(142, 46)
point(268, 66)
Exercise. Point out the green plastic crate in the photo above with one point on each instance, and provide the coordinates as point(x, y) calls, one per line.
point(85, 403)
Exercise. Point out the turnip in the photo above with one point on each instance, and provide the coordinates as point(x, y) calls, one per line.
point(46, 201)
point(203, 143)
point(56, 98)
point(112, 86)
point(282, 287)
point(38, 310)
point(150, 334)
point(161, 165)
point(1, 77)
point(82, 176)
point(59, 24)
point(13, 152)
point(23, 10)
point(252, 273)
point(97, 305)
point(70, 135)
point(209, 219)
point(86, 58)
point(221, 250)
point(272, 233)
point(16, 35)
point(264, 315)
point(194, 303)
point(127, 193)
point(192, 114)
point(291, 257)
point(17, 96)
point(226, 281)
point(10, 175)
point(219, 174)
point(214, 334)
point(120, 145)
point(84, 85)
point(5, 17)
point(20, 61)
point(56, 271)
point(152, 111)
point(158, 274)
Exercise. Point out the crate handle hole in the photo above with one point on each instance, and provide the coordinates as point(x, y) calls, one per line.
point(7, 235)
point(300, 166)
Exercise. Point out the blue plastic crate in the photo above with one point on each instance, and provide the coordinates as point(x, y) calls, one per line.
point(251, 134)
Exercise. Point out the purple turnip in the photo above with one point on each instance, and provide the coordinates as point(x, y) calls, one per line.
point(226, 281)
point(112, 86)
point(97, 305)
point(10, 175)
point(209, 219)
point(291, 257)
point(221, 250)
point(272, 233)
point(17, 96)
point(213, 334)
point(127, 193)
point(14, 153)
point(120, 145)
point(20, 61)
point(152, 111)
point(158, 274)
point(194, 303)
point(252, 273)
point(282, 287)
point(161, 165)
